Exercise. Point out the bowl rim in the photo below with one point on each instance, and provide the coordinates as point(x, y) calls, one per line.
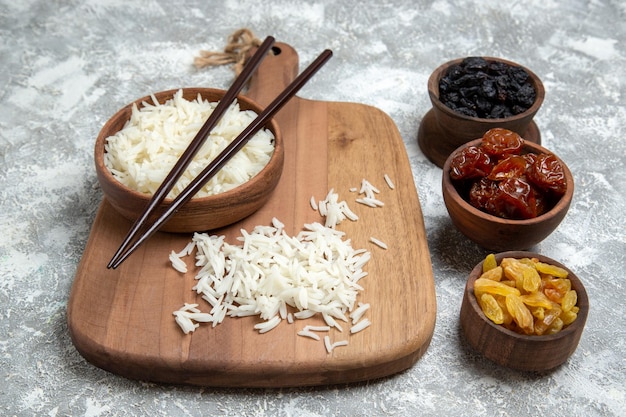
point(583, 298)
point(433, 91)
point(164, 95)
point(560, 205)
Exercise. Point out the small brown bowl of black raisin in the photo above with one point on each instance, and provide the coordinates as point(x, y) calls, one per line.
point(474, 94)
point(505, 193)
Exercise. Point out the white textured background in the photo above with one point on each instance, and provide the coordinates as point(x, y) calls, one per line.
point(67, 66)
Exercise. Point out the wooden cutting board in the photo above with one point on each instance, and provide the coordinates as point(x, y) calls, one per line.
point(121, 320)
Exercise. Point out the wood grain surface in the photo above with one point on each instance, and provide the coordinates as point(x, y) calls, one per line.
point(121, 320)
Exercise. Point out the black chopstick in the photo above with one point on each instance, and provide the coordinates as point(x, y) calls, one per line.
point(179, 168)
point(215, 165)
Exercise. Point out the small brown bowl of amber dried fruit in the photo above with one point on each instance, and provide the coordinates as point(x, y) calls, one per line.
point(474, 94)
point(505, 193)
point(524, 311)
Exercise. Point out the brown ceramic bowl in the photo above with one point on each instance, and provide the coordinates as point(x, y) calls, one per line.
point(496, 233)
point(201, 213)
point(514, 350)
point(442, 129)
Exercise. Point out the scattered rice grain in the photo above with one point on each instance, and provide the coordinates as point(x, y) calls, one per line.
point(378, 242)
point(358, 313)
point(390, 183)
point(330, 346)
point(360, 326)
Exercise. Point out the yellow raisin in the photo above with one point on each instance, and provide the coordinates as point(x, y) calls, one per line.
point(494, 274)
point(561, 284)
point(541, 326)
point(537, 299)
point(552, 314)
point(569, 300)
point(523, 273)
point(553, 270)
point(491, 308)
point(553, 294)
point(527, 261)
point(526, 296)
point(501, 299)
point(556, 288)
point(532, 280)
point(568, 317)
point(482, 286)
point(512, 269)
point(521, 314)
point(557, 326)
point(537, 312)
point(489, 263)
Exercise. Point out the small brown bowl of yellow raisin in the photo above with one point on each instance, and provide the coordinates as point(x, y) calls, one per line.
point(524, 311)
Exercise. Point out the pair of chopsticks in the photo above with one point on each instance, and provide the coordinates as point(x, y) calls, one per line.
point(126, 248)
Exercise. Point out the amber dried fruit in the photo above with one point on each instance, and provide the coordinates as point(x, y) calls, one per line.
point(512, 167)
point(482, 195)
point(497, 178)
point(500, 142)
point(516, 199)
point(547, 174)
point(471, 162)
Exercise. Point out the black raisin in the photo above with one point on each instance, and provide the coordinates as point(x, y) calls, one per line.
point(498, 68)
point(489, 89)
point(497, 111)
point(483, 107)
point(475, 64)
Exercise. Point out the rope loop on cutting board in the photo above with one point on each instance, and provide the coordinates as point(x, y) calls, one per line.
point(236, 51)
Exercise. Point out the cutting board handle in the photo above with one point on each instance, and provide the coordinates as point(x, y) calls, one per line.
point(275, 73)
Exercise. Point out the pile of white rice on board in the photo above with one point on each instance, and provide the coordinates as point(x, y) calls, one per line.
point(143, 152)
point(315, 272)
point(270, 274)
